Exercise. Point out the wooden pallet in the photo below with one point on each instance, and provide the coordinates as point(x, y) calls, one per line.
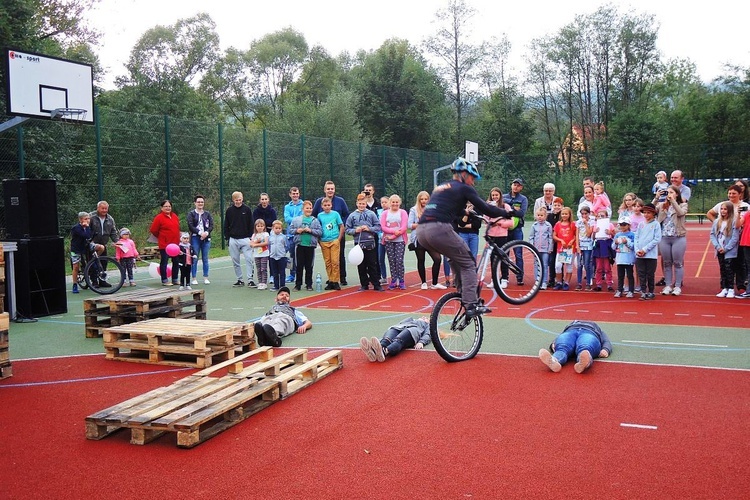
point(5, 368)
point(200, 406)
point(180, 342)
point(139, 305)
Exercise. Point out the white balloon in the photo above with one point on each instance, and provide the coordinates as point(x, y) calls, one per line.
point(356, 255)
point(153, 270)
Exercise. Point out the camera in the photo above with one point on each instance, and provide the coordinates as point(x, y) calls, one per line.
point(743, 209)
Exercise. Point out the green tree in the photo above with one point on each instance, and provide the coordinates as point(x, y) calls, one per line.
point(401, 102)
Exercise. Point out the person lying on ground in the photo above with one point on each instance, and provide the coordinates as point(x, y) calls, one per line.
point(280, 321)
point(585, 339)
point(406, 334)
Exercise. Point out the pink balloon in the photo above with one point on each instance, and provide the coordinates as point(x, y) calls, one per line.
point(169, 270)
point(173, 250)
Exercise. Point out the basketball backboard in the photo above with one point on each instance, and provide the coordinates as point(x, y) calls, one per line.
point(471, 152)
point(39, 86)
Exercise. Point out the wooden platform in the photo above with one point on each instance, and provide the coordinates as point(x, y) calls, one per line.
point(200, 406)
point(140, 304)
point(180, 342)
point(5, 368)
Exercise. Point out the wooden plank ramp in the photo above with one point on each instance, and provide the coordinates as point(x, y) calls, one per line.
point(201, 405)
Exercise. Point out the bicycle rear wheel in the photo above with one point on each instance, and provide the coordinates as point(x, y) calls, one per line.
point(99, 269)
point(521, 266)
point(455, 338)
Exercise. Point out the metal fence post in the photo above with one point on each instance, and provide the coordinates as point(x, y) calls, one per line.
point(167, 154)
point(21, 155)
point(304, 161)
point(98, 135)
point(221, 182)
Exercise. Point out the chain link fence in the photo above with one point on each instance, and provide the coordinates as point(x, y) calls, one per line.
point(135, 160)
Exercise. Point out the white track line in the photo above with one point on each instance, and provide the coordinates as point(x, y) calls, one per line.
point(639, 426)
point(672, 343)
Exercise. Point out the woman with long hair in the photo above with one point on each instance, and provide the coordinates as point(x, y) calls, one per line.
point(671, 215)
point(415, 213)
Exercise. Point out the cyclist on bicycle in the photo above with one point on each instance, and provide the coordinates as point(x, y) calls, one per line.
point(436, 233)
point(81, 245)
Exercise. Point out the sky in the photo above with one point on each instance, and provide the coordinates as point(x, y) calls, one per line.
point(709, 34)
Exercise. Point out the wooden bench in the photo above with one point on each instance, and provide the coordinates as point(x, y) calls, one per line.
point(200, 406)
point(141, 304)
point(179, 342)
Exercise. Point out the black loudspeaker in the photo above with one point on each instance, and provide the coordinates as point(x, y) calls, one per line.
point(39, 268)
point(30, 208)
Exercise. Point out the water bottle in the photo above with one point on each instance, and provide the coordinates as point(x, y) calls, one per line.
point(318, 283)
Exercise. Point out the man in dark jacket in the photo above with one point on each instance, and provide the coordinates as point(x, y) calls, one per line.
point(238, 228)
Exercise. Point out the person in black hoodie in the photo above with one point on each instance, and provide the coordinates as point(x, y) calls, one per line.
point(238, 228)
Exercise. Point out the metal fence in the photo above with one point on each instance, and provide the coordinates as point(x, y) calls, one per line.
point(135, 160)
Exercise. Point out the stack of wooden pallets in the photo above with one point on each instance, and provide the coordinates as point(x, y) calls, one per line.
point(200, 406)
point(180, 342)
point(139, 305)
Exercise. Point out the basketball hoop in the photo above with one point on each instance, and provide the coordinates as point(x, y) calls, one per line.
point(68, 114)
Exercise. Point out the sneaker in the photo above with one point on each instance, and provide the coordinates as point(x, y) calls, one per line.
point(364, 344)
point(260, 334)
point(565, 287)
point(378, 349)
point(424, 286)
point(661, 282)
point(503, 283)
point(132, 283)
point(588, 288)
point(723, 293)
point(558, 286)
point(543, 286)
point(329, 286)
point(402, 285)
point(519, 282)
point(262, 286)
point(364, 288)
point(579, 288)
point(629, 295)
point(667, 290)
point(274, 289)
point(182, 287)
point(383, 281)
point(598, 289)
point(618, 294)
point(637, 289)
point(377, 288)
point(104, 284)
point(743, 295)
point(206, 282)
point(336, 286)
point(188, 287)
point(392, 285)
point(239, 283)
point(297, 288)
point(344, 282)
point(610, 289)
point(194, 282)
point(167, 283)
point(677, 291)
point(251, 284)
point(475, 310)
point(549, 360)
point(290, 279)
point(648, 296)
point(309, 288)
point(730, 294)
point(447, 283)
point(272, 337)
point(438, 286)
point(75, 288)
point(584, 361)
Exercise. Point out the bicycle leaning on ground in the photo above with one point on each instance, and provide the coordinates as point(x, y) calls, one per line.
point(94, 273)
point(457, 338)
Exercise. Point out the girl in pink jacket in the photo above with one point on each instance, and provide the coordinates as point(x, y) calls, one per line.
point(393, 223)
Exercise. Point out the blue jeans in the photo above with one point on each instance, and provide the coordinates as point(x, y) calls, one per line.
point(585, 262)
point(472, 241)
point(576, 340)
point(201, 248)
point(396, 341)
point(381, 261)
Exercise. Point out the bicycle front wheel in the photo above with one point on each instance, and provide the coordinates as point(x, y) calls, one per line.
point(104, 275)
point(455, 338)
point(517, 272)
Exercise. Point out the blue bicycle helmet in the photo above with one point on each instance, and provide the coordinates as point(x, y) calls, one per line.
point(462, 164)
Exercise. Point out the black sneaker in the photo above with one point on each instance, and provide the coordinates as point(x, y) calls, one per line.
point(661, 282)
point(329, 286)
point(344, 283)
point(239, 283)
point(475, 310)
point(271, 336)
point(104, 284)
point(309, 288)
point(297, 288)
point(260, 334)
point(251, 284)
